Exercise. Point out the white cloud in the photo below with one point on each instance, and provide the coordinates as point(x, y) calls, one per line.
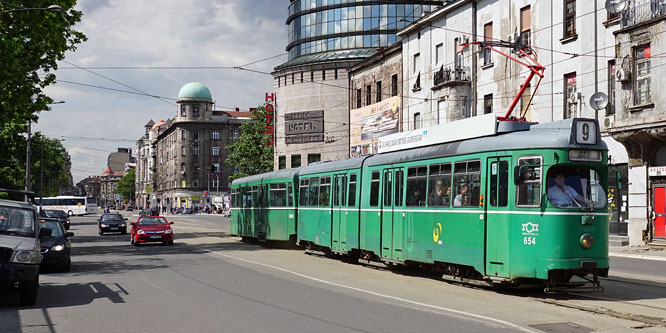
point(168, 33)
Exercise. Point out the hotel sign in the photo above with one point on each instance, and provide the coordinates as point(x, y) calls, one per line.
point(304, 127)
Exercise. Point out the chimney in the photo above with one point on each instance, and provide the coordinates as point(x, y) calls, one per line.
point(237, 109)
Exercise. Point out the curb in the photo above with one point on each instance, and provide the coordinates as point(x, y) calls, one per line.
point(636, 256)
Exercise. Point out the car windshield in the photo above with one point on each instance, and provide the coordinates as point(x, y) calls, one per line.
point(55, 213)
point(112, 217)
point(152, 221)
point(56, 230)
point(17, 221)
point(575, 187)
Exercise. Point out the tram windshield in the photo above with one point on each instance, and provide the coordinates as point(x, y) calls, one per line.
point(575, 187)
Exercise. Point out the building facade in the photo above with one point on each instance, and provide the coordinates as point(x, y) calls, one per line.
point(326, 38)
point(375, 99)
point(144, 168)
point(189, 151)
point(639, 118)
point(90, 187)
point(108, 183)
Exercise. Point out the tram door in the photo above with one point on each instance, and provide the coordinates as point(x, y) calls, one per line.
point(392, 214)
point(338, 224)
point(497, 220)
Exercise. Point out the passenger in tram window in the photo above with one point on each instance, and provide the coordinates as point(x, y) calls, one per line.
point(462, 196)
point(415, 198)
point(440, 194)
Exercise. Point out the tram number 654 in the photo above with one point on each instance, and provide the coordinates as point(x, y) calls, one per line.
point(529, 240)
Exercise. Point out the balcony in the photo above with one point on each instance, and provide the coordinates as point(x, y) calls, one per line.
point(451, 76)
point(640, 11)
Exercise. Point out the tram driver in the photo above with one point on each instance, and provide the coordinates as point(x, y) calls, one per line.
point(563, 195)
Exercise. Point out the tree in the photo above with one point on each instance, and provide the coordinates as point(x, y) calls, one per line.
point(250, 154)
point(126, 186)
point(31, 43)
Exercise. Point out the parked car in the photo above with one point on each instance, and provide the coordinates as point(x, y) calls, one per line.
point(187, 210)
point(55, 248)
point(151, 229)
point(112, 222)
point(61, 215)
point(19, 247)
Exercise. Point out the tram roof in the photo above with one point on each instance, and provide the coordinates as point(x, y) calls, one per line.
point(283, 173)
point(557, 134)
point(352, 163)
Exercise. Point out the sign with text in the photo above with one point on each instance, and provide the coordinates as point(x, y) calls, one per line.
point(372, 122)
point(657, 171)
point(304, 127)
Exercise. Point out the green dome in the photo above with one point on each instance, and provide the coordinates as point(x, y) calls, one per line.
point(194, 90)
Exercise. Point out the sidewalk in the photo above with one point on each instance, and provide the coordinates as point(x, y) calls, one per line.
point(638, 252)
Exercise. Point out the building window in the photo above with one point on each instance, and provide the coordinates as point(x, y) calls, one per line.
point(335, 73)
point(569, 18)
point(463, 107)
point(359, 97)
point(610, 108)
point(569, 90)
point(458, 53)
point(183, 135)
point(295, 161)
point(215, 167)
point(526, 26)
point(311, 76)
point(216, 182)
point(236, 134)
point(488, 103)
point(368, 95)
point(394, 85)
point(282, 162)
point(183, 111)
point(488, 37)
point(379, 91)
point(195, 150)
point(417, 57)
point(182, 167)
point(292, 78)
point(417, 120)
point(313, 158)
point(215, 151)
point(613, 16)
point(195, 111)
point(642, 79)
point(301, 77)
point(323, 75)
point(183, 183)
point(182, 151)
point(439, 53)
point(195, 135)
point(195, 183)
point(215, 135)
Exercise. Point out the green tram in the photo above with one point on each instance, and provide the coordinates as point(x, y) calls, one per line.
point(525, 205)
point(263, 206)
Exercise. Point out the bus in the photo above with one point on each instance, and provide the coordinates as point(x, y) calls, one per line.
point(70, 204)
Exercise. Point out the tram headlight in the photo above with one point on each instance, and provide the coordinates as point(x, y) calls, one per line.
point(586, 241)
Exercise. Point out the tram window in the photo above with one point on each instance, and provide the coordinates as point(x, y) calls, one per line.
point(399, 186)
point(575, 187)
point(417, 178)
point(290, 195)
point(325, 192)
point(388, 188)
point(529, 192)
point(336, 192)
point(467, 184)
point(352, 190)
point(303, 199)
point(499, 183)
point(374, 189)
point(439, 183)
point(313, 196)
point(278, 195)
point(343, 197)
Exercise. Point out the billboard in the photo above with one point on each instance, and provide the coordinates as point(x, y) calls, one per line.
point(303, 127)
point(372, 122)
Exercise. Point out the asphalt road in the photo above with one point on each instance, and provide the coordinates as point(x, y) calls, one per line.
point(209, 282)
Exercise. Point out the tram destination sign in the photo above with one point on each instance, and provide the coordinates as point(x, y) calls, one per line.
point(304, 127)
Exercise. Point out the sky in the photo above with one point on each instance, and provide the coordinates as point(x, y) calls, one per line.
point(134, 49)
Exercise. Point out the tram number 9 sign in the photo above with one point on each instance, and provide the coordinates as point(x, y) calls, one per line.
point(586, 132)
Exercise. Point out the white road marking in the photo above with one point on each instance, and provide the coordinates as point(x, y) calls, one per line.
point(463, 313)
point(637, 256)
point(158, 287)
point(93, 289)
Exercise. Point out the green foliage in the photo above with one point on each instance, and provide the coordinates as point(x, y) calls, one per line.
point(31, 43)
point(126, 186)
point(249, 154)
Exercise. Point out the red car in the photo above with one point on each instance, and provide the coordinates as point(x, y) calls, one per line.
point(151, 229)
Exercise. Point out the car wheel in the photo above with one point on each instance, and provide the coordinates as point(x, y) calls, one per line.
point(28, 292)
point(171, 243)
point(131, 239)
point(68, 265)
point(100, 232)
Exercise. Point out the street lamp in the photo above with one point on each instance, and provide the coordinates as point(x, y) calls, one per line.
point(51, 8)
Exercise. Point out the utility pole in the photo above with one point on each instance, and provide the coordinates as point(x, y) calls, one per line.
point(27, 162)
point(41, 174)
